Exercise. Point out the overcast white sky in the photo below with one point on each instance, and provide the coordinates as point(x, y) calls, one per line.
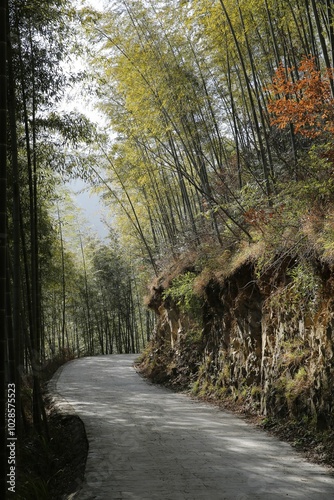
point(92, 207)
point(97, 4)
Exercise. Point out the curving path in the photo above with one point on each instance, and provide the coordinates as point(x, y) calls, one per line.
point(147, 443)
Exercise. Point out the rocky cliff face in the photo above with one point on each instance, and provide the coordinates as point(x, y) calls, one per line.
point(264, 341)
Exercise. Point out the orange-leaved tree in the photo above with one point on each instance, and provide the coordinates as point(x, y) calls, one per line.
point(305, 102)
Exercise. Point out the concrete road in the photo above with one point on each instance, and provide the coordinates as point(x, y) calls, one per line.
point(147, 443)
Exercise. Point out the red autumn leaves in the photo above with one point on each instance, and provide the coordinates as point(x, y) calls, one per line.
point(303, 98)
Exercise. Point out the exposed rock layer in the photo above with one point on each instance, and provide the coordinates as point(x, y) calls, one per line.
point(264, 341)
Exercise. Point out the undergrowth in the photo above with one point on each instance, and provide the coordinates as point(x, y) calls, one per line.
point(49, 466)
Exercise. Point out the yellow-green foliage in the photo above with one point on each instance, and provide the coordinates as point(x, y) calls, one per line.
point(300, 294)
point(297, 385)
point(182, 292)
point(305, 284)
point(294, 352)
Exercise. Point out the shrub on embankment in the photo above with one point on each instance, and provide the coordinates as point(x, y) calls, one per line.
point(249, 329)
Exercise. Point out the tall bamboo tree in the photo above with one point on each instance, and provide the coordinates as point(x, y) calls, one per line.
point(3, 242)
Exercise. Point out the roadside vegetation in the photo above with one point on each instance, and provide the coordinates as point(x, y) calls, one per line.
point(215, 159)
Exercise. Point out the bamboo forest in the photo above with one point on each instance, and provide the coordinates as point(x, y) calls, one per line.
point(205, 128)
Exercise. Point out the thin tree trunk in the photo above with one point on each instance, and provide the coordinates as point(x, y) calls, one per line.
point(87, 300)
point(3, 243)
point(35, 326)
point(63, 283)
point(322, 41)
point(17, 306)
point(329, 4)
point(253, 107)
